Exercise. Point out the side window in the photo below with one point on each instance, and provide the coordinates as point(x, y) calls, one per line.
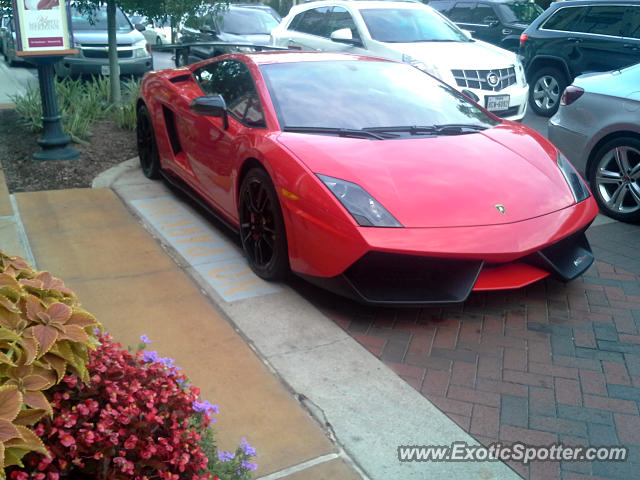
point(483, 15)
point(462, 12)
point(233, 81)
point(315, 22)
point(339, 19)
point(603, 20)
point(632, 23)
point(295, 23)
point(565, 19)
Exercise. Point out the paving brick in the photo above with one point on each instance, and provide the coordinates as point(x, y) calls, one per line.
point(445, 338)
point(616, 373)
point(599, 355)
point(463, 374)
point(593, 382)
point(358, 327)
point(504, 341)
point(568, 391)
point(394, 351)
point(553, 370)
point(413, 381)
point(539, 351)
point(584, 338)
point(462, 421)
point(484, 421)
point(484, 349)
point(562, 345)
point(514, 411)
point(597, 298)
point(602, 434)
point(515, 359)
point(376, 351)
point(624, 338)
point(457, 354)
point(492, 325)
point(469, 332)
point(435, 382)
point(625, 325)
point(407, 370)
point(511, 434)
point(449, 405)
point(584, 414)
point(369, 340)
point(622, 470)
point(489, 367)
point(583, 363)
point(619, 347)
point(542, 401)
point(544, 470)
point(624, 392)
point(498, 386)
point(516, 320)
point(633, 363)
point(390, 334)
point(583, 468)
point(559, 425)
point(604, 331)
point(420, 344)
point(520, 468)
point(464, 394)
point(526, 378)
point(434, 363)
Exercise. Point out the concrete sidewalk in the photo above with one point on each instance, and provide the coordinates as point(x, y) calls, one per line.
point(14, 81)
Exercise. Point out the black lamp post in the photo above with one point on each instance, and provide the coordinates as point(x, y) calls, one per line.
point(53, 141)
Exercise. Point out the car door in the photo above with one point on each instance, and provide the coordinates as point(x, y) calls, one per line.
point(461, 14)
point(309, 30)
point(485, 24)
point(599, 38)
point(213, 150)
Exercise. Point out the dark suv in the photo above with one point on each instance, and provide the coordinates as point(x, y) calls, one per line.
point(575, 37)
point(495, 21)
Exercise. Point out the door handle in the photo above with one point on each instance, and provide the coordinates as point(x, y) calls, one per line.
point(631, 46)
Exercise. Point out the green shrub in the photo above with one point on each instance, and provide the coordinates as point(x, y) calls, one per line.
point(125, 115)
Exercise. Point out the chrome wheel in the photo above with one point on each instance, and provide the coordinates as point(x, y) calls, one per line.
point(546, 92)
point(618, 179)
point(262, 229)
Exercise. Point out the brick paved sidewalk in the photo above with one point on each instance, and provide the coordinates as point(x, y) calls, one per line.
point(552, 362)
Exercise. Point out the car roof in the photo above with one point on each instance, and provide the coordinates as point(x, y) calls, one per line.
point(360, 4)
point(284, 56)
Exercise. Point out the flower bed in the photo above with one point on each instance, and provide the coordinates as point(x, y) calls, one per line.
point(74, 404)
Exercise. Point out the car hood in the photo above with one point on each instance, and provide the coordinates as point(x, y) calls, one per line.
point(101, 37)
point(455, 55)
point(446, 181)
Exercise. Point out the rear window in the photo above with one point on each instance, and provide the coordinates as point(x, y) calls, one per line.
point(565, 19)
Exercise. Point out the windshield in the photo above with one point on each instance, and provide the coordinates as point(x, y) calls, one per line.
point(81, 21)
point(364, 94)
point(402, 25)
point(519, 12)
point(246, 22)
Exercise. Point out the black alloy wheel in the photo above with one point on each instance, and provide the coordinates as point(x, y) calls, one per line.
point(147, 146)
point(262, 229)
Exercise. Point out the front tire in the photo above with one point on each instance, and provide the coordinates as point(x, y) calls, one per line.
point(614, 178)
point(147, 145)
point(262, 230)
point(545, 90)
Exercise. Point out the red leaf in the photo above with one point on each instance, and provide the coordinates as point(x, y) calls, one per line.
point(7, 430)
point(59, 312)
point(46, 337)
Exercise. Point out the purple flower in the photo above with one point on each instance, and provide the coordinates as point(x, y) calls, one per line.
point(249, 465)
point(205, 407)
point(226, 456)
point(145, 339)
point(150, 356)
point(247, 449)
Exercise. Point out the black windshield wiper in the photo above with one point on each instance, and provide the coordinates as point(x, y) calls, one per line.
point(446, 129)
point(341, 132)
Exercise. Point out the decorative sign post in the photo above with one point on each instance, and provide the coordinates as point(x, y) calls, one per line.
point(43, 37)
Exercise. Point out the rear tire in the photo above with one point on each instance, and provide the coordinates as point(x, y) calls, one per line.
point(262, 230)
point(147, 145)
point(545, 90)
point(614, 177)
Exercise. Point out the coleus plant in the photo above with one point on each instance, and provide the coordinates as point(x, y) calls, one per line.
point(44, 335)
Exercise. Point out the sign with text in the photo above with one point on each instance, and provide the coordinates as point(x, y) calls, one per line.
point(42, 27)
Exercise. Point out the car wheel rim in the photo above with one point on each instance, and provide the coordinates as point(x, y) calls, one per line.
point(618, 180)
point(546, 92)
point(145, 143)
point(258, 224)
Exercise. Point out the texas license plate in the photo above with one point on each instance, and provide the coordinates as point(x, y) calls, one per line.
point(497, 102)
point(104, 70)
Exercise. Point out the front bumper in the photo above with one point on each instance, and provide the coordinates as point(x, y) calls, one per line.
point(518, 96)
point(93, 66)
point(441, 265)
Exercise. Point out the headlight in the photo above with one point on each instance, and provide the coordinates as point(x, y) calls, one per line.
point(575, 182)
point(432, 69)
point(363, 207)
point(140, 49)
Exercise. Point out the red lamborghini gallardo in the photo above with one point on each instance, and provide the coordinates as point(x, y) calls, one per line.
point(365, 176)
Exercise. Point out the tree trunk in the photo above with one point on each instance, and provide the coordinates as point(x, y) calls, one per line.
point(114, 66)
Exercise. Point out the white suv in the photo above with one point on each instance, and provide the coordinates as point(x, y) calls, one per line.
point(413, 33)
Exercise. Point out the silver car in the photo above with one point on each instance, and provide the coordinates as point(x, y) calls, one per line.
point(598, 128)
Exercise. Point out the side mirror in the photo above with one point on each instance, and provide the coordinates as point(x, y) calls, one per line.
point(344, 35)
point(211, 106)
point(140, 27)
point(467, 33)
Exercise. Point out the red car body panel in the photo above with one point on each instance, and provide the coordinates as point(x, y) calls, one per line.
point(443, 190)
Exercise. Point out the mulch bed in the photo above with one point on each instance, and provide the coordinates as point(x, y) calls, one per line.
point(108, 146)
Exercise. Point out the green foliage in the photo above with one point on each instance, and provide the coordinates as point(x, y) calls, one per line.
point(44, 334)
point(79, 103)
point(125, 115)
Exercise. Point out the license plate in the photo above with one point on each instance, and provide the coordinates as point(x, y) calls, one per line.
point(497, 102)
point(104, 70)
